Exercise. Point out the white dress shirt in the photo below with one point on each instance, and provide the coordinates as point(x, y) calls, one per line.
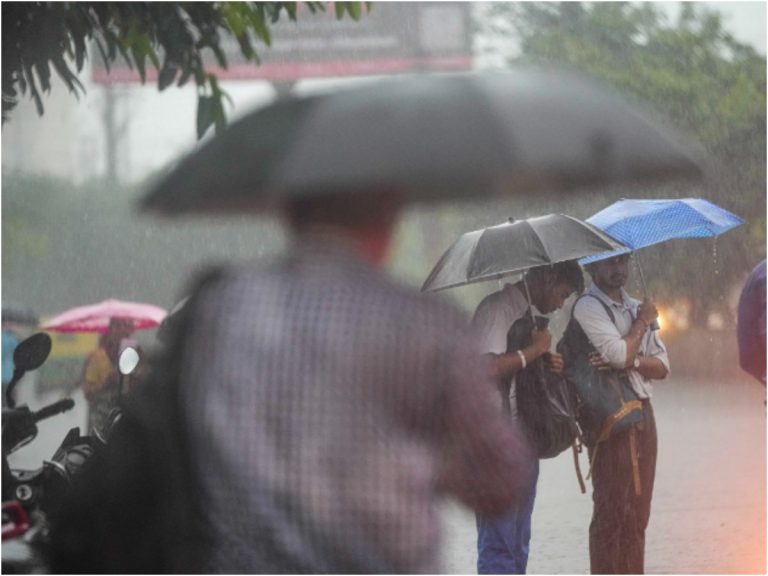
point(493, 319)
point(607, 336)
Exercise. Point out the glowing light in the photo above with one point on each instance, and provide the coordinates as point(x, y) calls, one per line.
point(675, 316)
point(715, 321)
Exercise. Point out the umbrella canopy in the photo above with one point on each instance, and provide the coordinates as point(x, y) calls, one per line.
point(96, 317)
point(428, 136)
point(641, 223)
point(514, 247)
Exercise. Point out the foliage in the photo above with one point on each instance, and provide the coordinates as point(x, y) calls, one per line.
point(694, 71)
point(42, 38)
point(701, 79)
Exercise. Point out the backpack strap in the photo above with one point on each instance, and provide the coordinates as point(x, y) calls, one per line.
point(612, 420)
point(576, 447)
point(603, 304)
point(605, 433)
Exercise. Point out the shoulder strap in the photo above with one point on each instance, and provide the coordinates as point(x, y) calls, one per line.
point(603, 304)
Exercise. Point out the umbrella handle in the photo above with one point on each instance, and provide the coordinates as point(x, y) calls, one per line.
point(527, 294)
point(655, 324)
point(642, 276)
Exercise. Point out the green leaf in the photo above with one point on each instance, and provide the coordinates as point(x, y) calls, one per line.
point(138, 59)
point(33, 90)
point(221, 58)
point(315, 7)
point(246, 49)
point(259, 23)
point(78, 33)
point(220, 117)
point(69, 78)
point(166, 76)
point(43, 71)
point(352, 8)
point(186, 72)
point(103, 52)
point(232, 15)
point(124, 52)
point(205, 114)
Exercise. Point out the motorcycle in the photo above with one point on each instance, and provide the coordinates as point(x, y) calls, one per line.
point(31, 496)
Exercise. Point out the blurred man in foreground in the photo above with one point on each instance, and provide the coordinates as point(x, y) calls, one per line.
point(328, 407)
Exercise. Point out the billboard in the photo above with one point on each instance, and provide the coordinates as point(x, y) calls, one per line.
point(394, 37)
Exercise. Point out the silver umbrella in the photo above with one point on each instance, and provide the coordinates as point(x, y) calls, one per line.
point(429, 136)
point(514, 247)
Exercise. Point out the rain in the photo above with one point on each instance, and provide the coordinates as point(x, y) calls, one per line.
point(74, 177)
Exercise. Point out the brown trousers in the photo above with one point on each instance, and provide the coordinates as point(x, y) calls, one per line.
point(620, 516)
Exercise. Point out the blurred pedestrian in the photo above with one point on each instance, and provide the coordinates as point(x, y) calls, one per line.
point(328, 406)
point(751, 323)
point(503, 540)
point(619, 327)
point(11, 339)
point(100, 376)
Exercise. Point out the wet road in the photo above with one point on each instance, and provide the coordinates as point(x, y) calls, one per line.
point(710, 497)
point(709, 505)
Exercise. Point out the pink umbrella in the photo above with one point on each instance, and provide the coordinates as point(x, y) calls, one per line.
point(96, 317)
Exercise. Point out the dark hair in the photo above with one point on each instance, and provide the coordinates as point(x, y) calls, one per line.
point(568, 273)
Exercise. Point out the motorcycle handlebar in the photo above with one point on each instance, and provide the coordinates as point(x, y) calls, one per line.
point(53, 409)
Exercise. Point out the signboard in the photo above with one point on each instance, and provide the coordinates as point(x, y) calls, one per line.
point(394, 37)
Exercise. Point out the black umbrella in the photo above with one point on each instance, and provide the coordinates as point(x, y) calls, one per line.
point(428, 136)
point(514, 247)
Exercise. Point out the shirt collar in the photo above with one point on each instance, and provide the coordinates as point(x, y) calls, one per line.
point(626, 301)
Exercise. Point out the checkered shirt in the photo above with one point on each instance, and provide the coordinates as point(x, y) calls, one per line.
point(328, 408)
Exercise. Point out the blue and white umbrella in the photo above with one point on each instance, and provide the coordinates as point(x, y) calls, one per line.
point(641, 223)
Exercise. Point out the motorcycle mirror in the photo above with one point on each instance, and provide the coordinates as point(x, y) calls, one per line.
point(28, 355)
point(128, 360)
point(32, 352)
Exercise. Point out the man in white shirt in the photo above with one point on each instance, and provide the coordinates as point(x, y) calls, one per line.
point(625, 342)
point(503, 541)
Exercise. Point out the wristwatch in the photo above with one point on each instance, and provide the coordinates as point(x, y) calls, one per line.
point(636, 363)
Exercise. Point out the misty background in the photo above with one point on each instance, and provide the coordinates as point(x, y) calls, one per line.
point(71, 233)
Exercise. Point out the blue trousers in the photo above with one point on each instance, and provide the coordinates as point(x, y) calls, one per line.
point(502, 541)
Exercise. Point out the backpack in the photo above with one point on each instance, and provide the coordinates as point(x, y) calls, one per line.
point(608, 404)
point(546, 402)
point(135, 506)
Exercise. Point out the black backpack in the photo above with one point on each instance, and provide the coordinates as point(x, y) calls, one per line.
point(134, 508)
point(608, 404)
point(546, 402)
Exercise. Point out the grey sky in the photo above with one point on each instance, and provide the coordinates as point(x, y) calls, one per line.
point(745, 20)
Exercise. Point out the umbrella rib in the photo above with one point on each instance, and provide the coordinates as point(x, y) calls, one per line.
point(472, 255)
point(543, 247)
